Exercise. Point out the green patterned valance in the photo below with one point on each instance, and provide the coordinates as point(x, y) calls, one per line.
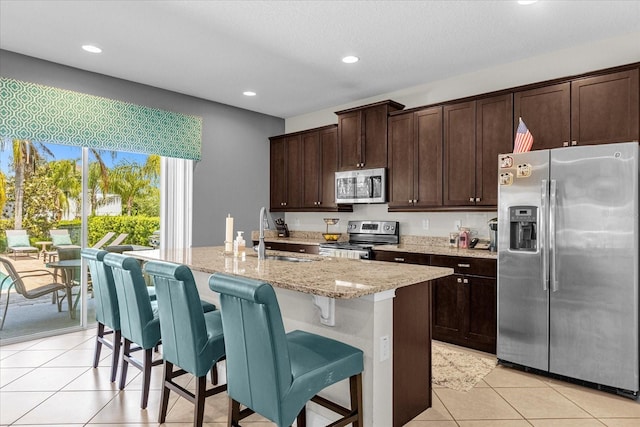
point(47, 114)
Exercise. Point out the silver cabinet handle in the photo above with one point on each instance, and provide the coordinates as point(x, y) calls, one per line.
point(459, 280)
point(465, 281)
point(302, 250)
point(552, 235)
point(542, 234)
point(477, 199)
point(399, 259)
point(574, 143)
point(464, 265)
point(565, 143)
point(471, 199)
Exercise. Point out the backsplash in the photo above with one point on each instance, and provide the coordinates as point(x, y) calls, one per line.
point(433, 224)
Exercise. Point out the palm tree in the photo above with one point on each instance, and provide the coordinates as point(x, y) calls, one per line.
point(128, 180)
point(26, 155)
point(67, 181)
point(3, 190)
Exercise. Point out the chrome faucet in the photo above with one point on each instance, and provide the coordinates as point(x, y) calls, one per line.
point(261, 247)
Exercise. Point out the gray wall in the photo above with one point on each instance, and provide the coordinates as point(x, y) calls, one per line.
point(233, 175)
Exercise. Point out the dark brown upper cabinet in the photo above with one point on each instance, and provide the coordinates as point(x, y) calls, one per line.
point(320, 165)
point(592, 110)
point(475, 132)
point(362, 136)
point(286, 172)
point(415, 160)
point(303, 166)
point(605, 109)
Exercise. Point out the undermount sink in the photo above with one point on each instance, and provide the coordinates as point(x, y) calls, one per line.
point(287, 258)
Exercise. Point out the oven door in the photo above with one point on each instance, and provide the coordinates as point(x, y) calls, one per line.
point(361, 186)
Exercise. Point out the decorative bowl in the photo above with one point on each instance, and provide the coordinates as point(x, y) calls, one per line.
point(331, 237)
point(331, 221)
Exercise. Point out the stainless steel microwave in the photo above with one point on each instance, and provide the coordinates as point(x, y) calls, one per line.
point(361, 186)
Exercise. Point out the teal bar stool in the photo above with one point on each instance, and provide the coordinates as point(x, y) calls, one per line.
point(138, 319)
point(273, 373)
point(107, 311)
point(192, 340)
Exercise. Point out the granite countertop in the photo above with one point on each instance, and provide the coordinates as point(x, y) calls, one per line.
point(438, 250)
point(325, 276)
point(413, 244)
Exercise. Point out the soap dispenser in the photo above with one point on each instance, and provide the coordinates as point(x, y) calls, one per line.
point(239, 245)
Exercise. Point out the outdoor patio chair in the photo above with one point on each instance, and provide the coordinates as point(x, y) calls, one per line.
point(61, 239)
point(11, 279)
point(18, 242)
point(121, 238)
point(102, 242)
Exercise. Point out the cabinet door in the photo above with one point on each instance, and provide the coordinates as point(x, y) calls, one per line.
point(459, 154)
point(448, 309)
point(604, 109)
point(294, 171)
point(349, 140)
point(278, 176)
point(312, 163)
point(546, 112)
point(401, 160)
point(329, 147)
point(480, 320)
point(374, 142)
point(494, 135)
point(428, 170)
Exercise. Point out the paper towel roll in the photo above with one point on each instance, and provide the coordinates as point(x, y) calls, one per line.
point(228, 236)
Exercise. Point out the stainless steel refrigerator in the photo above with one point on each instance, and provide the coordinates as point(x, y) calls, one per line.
point(568, 263)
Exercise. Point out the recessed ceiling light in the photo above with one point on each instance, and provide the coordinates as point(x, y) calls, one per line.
point(248, 93)
point(526, 2)
point(91, 48)
point(350, 59)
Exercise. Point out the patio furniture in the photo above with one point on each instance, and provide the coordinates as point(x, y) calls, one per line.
point(61, 239)
point(100, 243)
point(192, 341)
point(15, 280)
point(18, 242)
point(118, 240)
point(274, 373)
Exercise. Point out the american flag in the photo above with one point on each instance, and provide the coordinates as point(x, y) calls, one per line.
point(524, 139)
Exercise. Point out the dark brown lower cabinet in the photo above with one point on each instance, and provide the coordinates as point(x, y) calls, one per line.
point(464, 305)
point(411, 352)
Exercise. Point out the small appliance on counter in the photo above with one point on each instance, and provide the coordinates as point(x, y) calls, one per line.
point(493, 235)
point(281, 227)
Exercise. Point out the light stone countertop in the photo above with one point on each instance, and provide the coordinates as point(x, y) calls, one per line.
point(325, 276)
point(412, 244)
point(438, 250)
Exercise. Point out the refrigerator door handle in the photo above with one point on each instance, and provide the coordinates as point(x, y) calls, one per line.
point(552, 234)
point(542, 233)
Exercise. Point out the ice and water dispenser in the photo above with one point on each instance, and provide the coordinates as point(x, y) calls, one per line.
point(523, 221)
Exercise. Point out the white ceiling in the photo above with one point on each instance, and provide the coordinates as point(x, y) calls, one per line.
point(289, 51)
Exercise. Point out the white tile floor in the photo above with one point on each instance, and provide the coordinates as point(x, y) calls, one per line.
point(50, 382)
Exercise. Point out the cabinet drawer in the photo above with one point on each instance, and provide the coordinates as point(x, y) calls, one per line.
point(463, 265)
point(406, 257)
point(293, 247)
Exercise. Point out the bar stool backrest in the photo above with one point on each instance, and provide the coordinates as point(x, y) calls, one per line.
point(104, 289)
point(136, 314)
point(258, 364)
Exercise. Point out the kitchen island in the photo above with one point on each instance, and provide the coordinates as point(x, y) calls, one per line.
point(382, 308)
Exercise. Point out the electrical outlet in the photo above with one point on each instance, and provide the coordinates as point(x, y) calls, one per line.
point(425, 224)
point(458, 224)
point(384, 348)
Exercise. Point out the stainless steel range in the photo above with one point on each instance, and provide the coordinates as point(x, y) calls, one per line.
point(363, 235)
